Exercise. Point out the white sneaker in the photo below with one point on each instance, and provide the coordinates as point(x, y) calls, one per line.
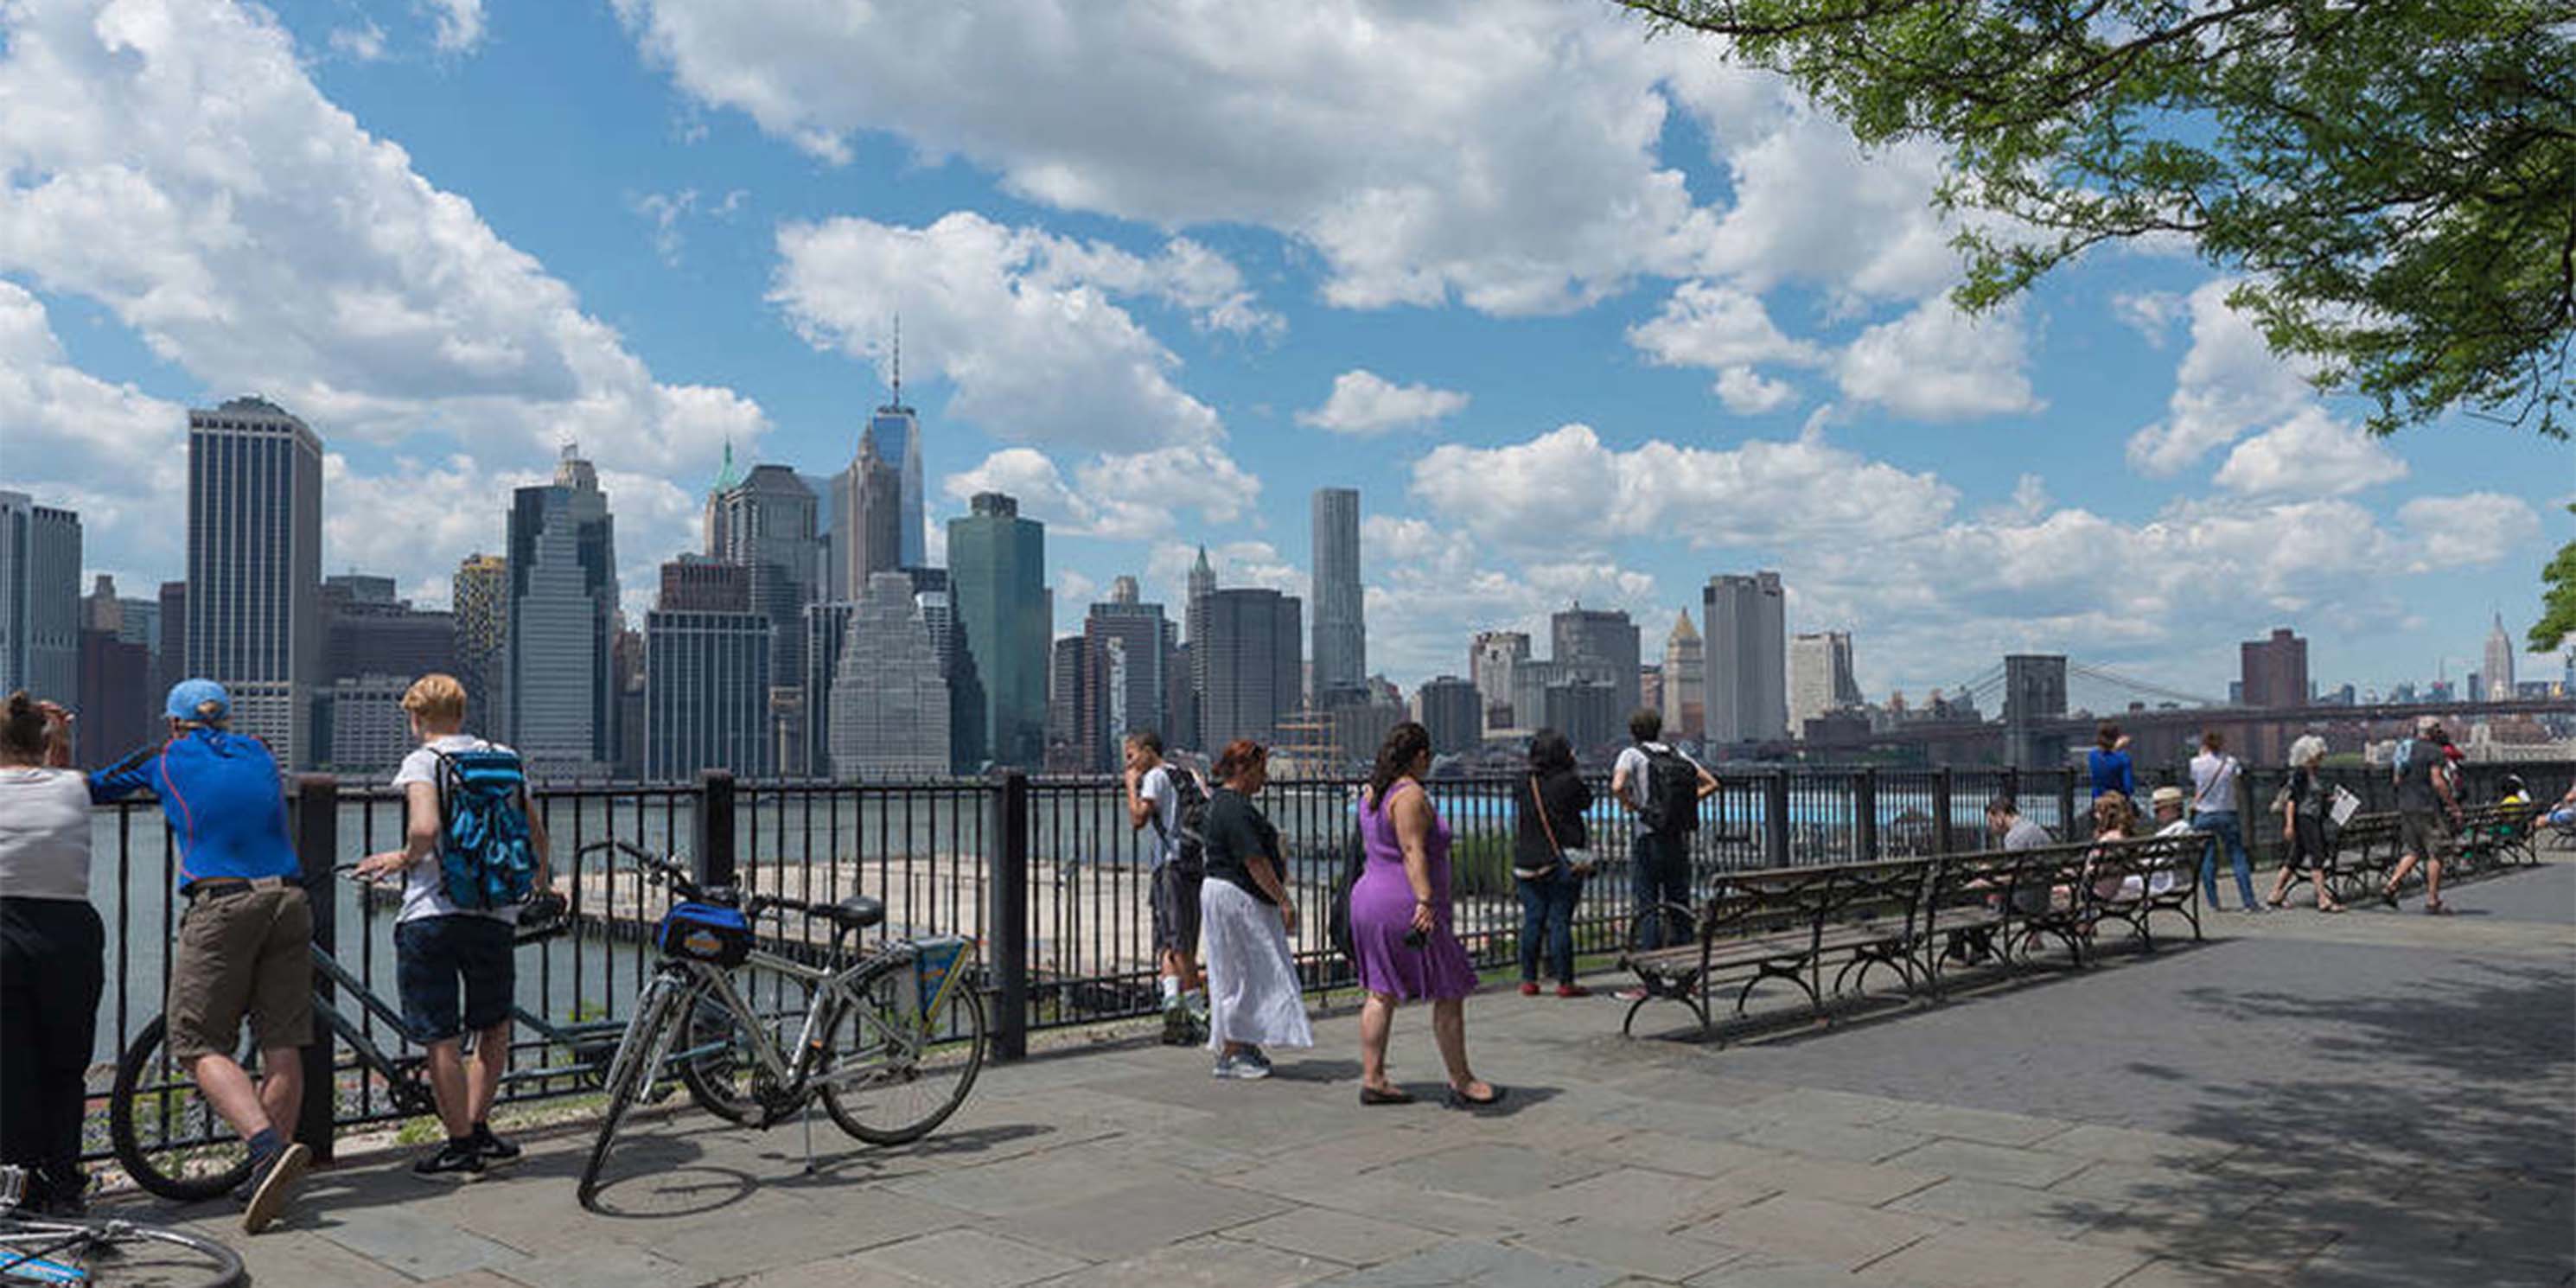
point(1239, 1068)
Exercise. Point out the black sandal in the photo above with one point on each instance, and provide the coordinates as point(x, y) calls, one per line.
point(1461, 1100)
point(1372, 1096)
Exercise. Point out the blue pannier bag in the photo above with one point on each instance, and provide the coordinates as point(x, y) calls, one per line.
point(705, 932)
point(484, 850)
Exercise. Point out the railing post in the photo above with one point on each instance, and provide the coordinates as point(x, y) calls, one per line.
point(316, 821)
point(2066, 802)
point(1775, 819)
point(1945, 788)
point(1865, 815)
point(1007, 888)
point(712, 849)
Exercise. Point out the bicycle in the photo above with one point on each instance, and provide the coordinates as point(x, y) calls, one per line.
point(104, 1253)
point(906, 1060)
point(202, 1158)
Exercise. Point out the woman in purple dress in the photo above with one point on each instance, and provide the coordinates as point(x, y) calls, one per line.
point(1400, 928)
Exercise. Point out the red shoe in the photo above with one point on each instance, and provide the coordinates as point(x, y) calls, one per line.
point(1572, 990)
point(1529, 988)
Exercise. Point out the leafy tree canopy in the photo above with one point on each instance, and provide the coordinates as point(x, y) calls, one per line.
point(2557, 600)
point(2395, 179)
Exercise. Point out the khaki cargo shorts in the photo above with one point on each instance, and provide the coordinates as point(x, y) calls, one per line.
point(242, 952)
point(2424, 834)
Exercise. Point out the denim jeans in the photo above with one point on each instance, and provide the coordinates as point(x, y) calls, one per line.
point(1659, 872)
point(1547, 920)
point(2221, 823)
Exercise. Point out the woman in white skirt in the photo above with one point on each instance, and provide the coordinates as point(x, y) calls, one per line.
point(1245, 918)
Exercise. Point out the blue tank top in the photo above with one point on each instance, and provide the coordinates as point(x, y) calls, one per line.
point(223, 797)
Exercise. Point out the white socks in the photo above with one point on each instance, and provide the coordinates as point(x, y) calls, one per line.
point(1171, 991)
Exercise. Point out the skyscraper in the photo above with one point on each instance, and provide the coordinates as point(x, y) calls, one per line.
point(481, 597)
point(889, 706)
point(1492, 661)
point(255, 568)
point(1341, 632)
point(765, 521)
point(867, 519)
point(174, 635)
point(1594, 645)
point(1126, 643)
point(367, 631)
point(40, 608)
point(706, 676)
point(1685, 704)
point(897, 430)
point(1453, 712)
point(827, 628)
point(1820, 678)
point(997, 577)
point(2497, 674)
point(1252, 658)
point(563, 623)
point(1747, 657)
point(2274, 671)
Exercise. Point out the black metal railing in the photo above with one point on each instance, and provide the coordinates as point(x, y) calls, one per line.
point(1045, 873)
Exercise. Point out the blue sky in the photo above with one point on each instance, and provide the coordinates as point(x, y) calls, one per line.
point(1580, 314)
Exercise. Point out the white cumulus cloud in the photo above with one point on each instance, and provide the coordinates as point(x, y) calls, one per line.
point(1024, 324)
point(2311, 453)
point(2229, 384)
point(1364, 402)
point(1937, 363)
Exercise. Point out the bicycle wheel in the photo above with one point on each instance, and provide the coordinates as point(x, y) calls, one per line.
point(166, 1135)
point(717, 1060)
point(632, 1069)
point(113, 1254)
point(895, 1073)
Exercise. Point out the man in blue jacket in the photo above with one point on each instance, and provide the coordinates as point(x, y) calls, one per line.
point(244, 946)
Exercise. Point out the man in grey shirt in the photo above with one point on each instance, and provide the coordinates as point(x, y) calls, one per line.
point(2423, 799)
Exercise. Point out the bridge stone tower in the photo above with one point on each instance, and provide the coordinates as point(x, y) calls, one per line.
point(2034, 693)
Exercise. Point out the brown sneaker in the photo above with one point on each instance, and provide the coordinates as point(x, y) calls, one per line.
point(271, 1190)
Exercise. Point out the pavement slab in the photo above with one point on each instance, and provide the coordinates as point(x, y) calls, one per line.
point(2361, 1102)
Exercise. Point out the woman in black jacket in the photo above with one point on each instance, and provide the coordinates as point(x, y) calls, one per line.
point(1551, 857)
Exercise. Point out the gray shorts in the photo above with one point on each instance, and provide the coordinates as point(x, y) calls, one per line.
point(2423, 833)
point(1176, 910)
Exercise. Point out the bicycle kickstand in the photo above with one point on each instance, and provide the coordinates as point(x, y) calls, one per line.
point(809, 1137)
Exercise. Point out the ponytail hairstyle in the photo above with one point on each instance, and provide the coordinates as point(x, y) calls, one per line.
point(1405, 744)
point(22, 731)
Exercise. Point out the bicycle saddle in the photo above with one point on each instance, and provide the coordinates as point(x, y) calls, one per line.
point(858, 912)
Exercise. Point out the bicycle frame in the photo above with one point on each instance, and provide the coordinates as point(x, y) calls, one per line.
point(837, 991)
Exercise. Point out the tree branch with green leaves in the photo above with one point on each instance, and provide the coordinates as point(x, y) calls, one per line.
point(2394, 180)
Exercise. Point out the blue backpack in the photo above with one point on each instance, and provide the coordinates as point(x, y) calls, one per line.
point(484, 852)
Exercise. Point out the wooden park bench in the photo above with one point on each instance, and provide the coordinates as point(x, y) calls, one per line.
point(2496, 835)
point(1917, 918)
point(2366, 849)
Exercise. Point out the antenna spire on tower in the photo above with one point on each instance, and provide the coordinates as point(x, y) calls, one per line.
point(898, 358)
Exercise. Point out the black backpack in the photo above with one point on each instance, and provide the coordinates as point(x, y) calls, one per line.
point(1672, 793)
point(1189, 807)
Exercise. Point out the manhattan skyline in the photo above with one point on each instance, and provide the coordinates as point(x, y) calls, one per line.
point(1538, 403)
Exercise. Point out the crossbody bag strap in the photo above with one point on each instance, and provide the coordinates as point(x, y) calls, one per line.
point(1545, 824)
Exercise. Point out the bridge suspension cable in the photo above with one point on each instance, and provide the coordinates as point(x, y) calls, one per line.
point(2116, 680)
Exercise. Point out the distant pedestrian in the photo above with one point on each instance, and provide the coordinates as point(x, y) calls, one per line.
point(463, 798)
point(1663, 788)
point(2306, 811)
point(1400, 923)
point(1173, 801)
point(2426, 812)
point(52, 947)
point(2109, 762)
point(1247, 913)
point(1551, 859)
point(2215, 779)
point(245, 943)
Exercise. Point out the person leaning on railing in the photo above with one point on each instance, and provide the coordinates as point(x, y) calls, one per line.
point(52, 955)
point(245, 943)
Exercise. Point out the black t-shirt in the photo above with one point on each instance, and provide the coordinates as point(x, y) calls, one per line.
point(2308, 796)
point(1565, 796)
point(1236, 835)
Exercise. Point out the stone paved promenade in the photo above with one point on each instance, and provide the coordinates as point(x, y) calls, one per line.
point(2375, 1099)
